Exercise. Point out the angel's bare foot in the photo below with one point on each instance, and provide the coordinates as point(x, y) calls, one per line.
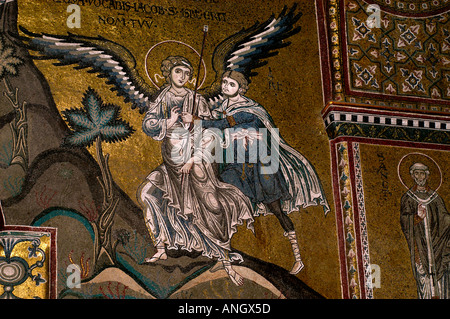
point(236, 278)
point(159, 255)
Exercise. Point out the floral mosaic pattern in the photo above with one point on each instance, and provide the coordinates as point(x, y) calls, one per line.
point(345, 188)
point(403, 57)
point(399, 61)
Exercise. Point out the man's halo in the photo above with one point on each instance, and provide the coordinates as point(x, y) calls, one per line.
point(420, 154)
point(177, 42)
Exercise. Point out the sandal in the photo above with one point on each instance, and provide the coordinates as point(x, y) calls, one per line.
point(160, 255)
point(297, 267)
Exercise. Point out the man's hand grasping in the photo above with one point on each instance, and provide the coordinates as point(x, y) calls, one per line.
point(187, 117)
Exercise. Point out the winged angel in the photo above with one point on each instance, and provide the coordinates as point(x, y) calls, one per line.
point(188, 206)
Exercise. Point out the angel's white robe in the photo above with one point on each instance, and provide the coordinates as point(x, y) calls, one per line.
point(192, 211)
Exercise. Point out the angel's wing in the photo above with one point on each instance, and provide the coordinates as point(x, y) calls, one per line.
point(108, 59)
point(248, 49)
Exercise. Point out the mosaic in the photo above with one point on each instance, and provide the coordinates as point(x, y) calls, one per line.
point(204, 149)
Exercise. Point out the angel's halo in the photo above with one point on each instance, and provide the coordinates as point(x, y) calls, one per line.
point(407, 160)
point(168, 49)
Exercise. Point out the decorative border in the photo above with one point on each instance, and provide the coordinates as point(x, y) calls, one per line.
point(327, 11)
point(346, 120)
point(401, 8)
point(391, 119)
point(356, 273)
point(361, 210)
point(348, 250)
point(53, 270)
